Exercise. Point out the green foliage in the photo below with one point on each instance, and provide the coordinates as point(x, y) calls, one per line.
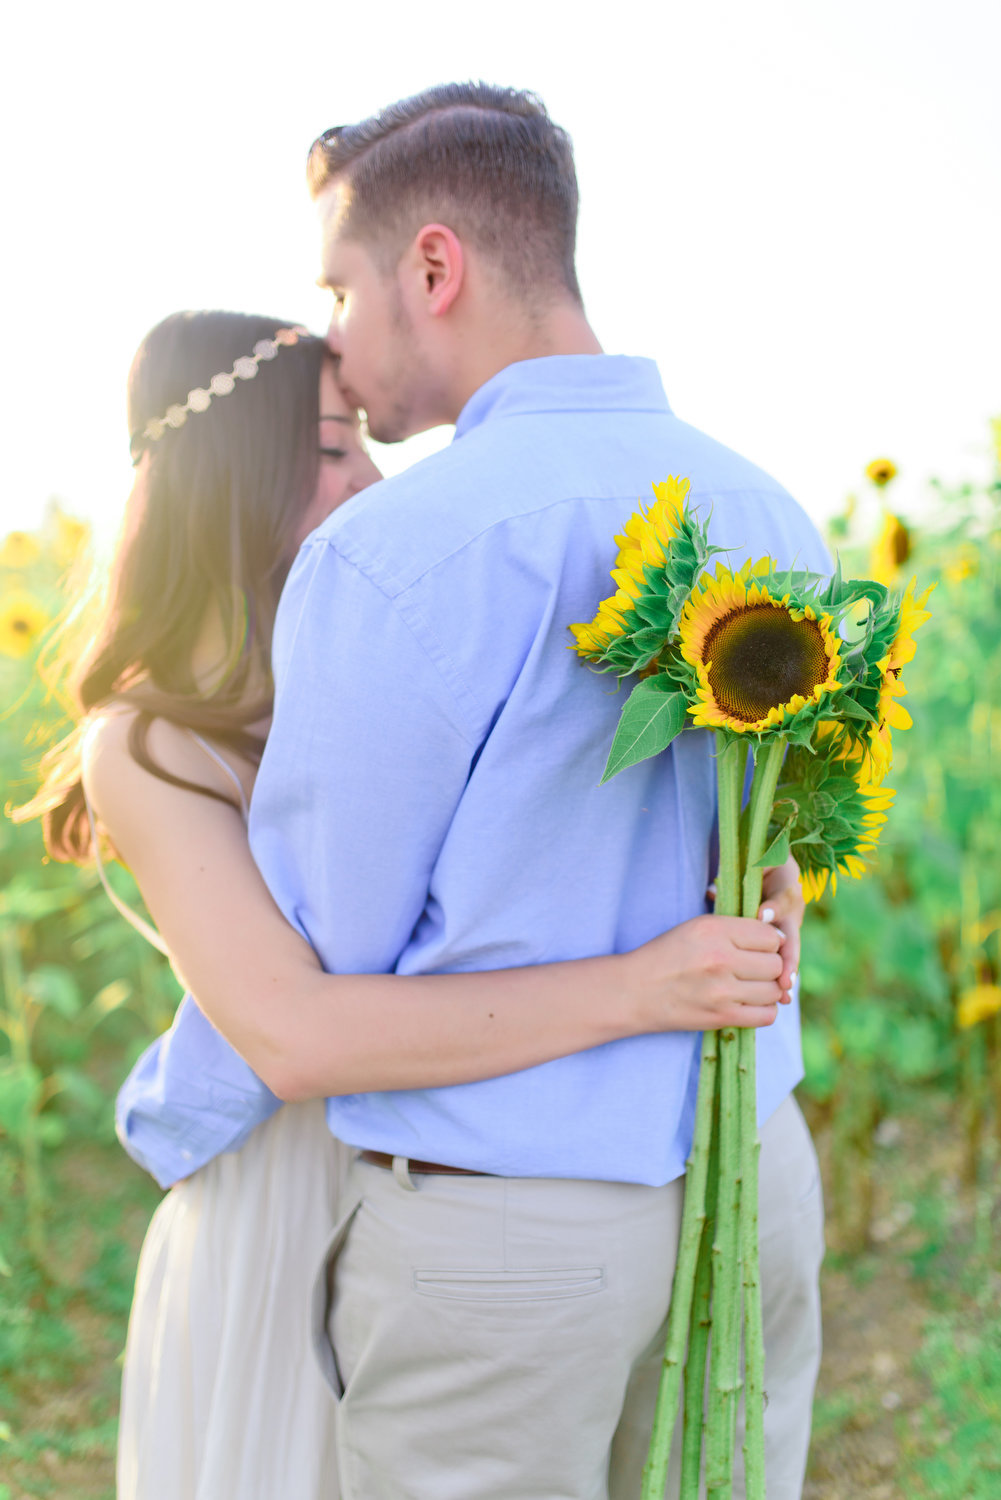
point(73, 976)
point(903, 943)
point(63, 1328)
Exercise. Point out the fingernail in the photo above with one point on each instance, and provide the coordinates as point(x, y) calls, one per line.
point(768, 915)
point(793, 977)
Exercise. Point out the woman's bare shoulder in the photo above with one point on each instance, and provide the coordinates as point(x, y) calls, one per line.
point(112, 776)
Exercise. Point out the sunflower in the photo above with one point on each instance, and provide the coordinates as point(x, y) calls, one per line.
point(977, 1004)
point(649, 533)
point(852, 862)
point(758, 659)
point(881, 471)
point(662, 550)
point(70, 536)
point(19, 550)
point(831, 822)
point(877, 746)
point(891, 550)
point(964, 564)
point(22, 620)
point(612, 620)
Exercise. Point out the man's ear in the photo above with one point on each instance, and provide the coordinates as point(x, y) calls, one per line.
point(438, 260)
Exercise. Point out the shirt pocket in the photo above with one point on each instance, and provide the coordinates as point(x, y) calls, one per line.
point(510, 1286)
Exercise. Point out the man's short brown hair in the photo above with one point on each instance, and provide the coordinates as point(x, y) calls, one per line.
point(488, 162)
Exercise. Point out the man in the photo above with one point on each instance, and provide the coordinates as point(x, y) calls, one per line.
point(492, 1310)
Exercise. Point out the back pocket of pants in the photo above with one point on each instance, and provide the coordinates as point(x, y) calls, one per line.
point(510, 1286)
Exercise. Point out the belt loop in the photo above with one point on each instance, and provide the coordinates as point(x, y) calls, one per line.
point(401, 1171)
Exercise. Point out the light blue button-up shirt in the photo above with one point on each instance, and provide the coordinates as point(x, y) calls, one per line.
point(428, 799)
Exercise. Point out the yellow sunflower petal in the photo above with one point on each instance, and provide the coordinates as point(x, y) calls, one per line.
point(977, 1004)
point(22, 620)
point(813, 883)
point(19, 550)
point(897, 716)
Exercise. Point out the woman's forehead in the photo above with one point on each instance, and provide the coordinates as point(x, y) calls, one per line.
point(333, 406)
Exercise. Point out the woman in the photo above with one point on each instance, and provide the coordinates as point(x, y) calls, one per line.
point(221, 1396)
point(179, 662)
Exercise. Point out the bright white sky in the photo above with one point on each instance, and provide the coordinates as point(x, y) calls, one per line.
point(792, 205)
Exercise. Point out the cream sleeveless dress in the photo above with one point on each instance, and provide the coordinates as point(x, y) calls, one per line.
point(222, 1398)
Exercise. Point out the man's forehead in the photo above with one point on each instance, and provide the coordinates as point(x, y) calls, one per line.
point(332, 205)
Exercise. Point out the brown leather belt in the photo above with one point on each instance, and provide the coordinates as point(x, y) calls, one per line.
point(383, 1159)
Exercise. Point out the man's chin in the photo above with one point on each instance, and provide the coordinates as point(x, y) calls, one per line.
point(393, 426)
point(386, 432)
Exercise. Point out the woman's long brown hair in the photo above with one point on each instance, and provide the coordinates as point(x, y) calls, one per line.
point(211, 523)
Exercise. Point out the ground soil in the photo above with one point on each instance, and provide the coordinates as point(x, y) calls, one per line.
point(872, 1398)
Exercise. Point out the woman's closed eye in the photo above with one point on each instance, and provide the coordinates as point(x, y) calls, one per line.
point(333, 452)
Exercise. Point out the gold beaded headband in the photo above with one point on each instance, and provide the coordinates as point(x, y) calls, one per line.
point(223, 384)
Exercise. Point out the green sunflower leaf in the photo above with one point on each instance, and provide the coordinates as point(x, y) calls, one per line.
point(812, 836)
point(870, 589)
point(851, 708)
point(833, 595)
point(798, 731)
point(777, 852)
point(654, 713)
point(651, 639)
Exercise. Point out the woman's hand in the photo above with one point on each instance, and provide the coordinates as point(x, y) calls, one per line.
point(782, 906)
point(707, 973)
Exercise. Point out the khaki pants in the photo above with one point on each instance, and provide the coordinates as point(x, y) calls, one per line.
point(496, 1338)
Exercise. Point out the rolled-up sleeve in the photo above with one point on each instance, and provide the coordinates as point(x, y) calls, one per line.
point(187, 1098)
point(368, 754)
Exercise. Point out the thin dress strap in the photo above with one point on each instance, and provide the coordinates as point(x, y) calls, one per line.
point(224, 766)
point(144, 928)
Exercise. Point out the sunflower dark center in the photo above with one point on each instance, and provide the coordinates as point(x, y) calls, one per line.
point(760, 658)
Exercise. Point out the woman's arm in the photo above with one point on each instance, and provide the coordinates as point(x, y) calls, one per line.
point(307, 1033)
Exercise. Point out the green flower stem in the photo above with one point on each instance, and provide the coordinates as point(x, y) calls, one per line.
point(724, 1377)
point(724, 1361)
point(730, 762)
point(698, 1343)
point(754, 1344)
point(693, 1219)
point(768, 764)
point(731, 759)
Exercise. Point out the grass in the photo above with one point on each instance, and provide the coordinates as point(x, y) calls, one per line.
point(62, 1331)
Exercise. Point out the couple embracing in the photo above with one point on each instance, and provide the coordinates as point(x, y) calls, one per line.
point(493, 971)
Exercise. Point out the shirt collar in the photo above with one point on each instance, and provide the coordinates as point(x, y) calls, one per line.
point(566, 383)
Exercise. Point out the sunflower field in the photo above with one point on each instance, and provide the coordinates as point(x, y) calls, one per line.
point(901, 991)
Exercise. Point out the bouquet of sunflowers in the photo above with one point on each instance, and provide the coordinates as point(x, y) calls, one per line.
point(804, 673)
